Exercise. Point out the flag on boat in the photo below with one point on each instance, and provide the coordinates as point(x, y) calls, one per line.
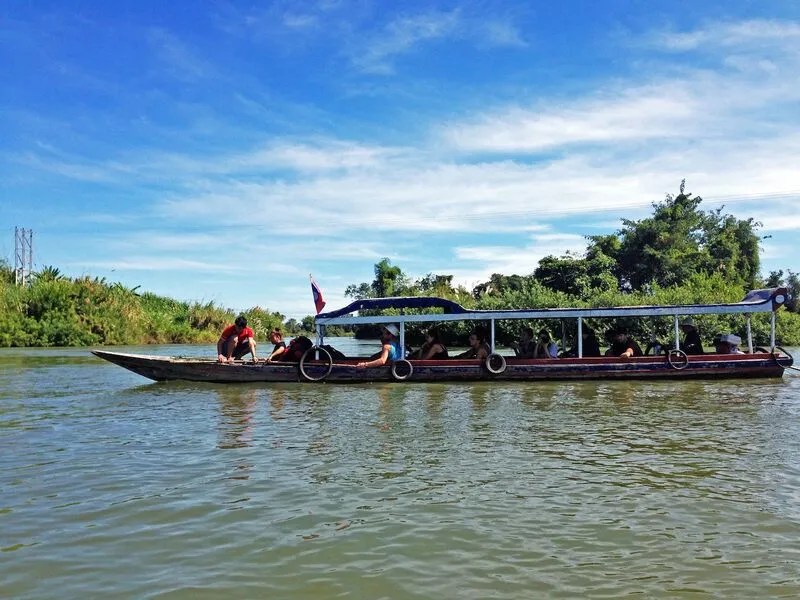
point(319, 301)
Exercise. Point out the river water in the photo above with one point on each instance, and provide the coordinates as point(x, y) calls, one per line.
point(114, 486)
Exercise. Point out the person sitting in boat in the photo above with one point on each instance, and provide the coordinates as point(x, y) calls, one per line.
point(546, 347)
point(478, 348)
point(727, 343)
point(236, 341)
point(624, 346)
point(276, 337)
point(655, 347)
point(432, 349)
point(525, 347)
point(390, 348)
point(691, 343)
point(591, 345)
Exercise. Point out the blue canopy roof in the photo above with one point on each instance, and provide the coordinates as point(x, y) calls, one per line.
point(755, 301)
point(399, 302)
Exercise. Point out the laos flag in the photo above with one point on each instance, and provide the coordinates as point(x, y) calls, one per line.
point(319, 301)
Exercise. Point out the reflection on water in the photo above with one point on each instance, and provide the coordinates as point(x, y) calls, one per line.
point(520, 490)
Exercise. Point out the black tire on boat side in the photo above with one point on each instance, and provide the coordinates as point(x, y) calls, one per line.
point(784, 362)
point(495, 359)
point(677, 359)
point(405, 371)
point(311, 351)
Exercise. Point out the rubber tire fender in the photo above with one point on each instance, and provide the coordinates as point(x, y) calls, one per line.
point(494, 356)
point(302, 365)
point(682, 355)
point(400, 376)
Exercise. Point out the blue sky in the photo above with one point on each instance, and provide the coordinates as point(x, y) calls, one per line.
point(225, 150)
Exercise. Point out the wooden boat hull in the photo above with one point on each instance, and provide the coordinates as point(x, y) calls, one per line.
point(160, 368)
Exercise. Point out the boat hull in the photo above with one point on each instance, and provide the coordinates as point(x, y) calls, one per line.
point(711, 366)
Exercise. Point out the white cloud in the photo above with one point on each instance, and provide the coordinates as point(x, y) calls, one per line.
point(401, 36)
point(407, 32)
point(732, 34)
point(515, 260)
point(783, 221)
point(635, 115)
point(161, 263)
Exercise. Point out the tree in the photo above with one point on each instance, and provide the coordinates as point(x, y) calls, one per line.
point(499, 284)
point(48, 273)
point(576, 275)
point(792, 284)
point(677, 241)
point(389, 281)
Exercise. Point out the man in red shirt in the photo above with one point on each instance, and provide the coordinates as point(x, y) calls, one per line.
point(236, 341)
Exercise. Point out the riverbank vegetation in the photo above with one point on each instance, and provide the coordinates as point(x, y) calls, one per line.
point(59, 311)
point(678, 255)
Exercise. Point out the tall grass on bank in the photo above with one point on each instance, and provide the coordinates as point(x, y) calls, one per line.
point(59, 311)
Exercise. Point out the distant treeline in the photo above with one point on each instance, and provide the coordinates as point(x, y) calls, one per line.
point(678, 255)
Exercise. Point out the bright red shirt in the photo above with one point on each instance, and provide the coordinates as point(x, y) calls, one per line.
point(231, 330)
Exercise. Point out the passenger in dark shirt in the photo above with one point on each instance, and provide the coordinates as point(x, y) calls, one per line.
point(525, 347)
point(276, 337)
point(624, 346)
point(478, 346)
point(432, 349)
point(691, 343)
point(591, 345)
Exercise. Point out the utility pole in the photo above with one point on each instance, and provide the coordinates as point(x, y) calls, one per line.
point(23, 255)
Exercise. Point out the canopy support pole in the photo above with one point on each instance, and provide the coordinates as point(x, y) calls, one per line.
point(320, 339)
point(771, 331)
point(580, 337)
point(677, 334)
point(491, 340)
point(403, 339)
point(749, 335)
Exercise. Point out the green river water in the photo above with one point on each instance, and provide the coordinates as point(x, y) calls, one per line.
point(114, 486)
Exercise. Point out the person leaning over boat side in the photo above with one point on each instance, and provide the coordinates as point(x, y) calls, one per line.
point(390, 348)
point(545, 348)
point(727, 343)
point(478, 348)
point(276, 337)
point(691, 343)
point(624, 346)
point(432, 349)
point(525, 347)
point(236, 341)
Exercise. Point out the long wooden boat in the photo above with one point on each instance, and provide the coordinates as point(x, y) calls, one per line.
point(318, 366)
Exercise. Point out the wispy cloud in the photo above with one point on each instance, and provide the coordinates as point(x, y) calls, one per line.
point(635, 114)
point(164, 264)
point(402, 35)
point(732, 34)
point(177, 57)
point(406, 33)
point(508, 259)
